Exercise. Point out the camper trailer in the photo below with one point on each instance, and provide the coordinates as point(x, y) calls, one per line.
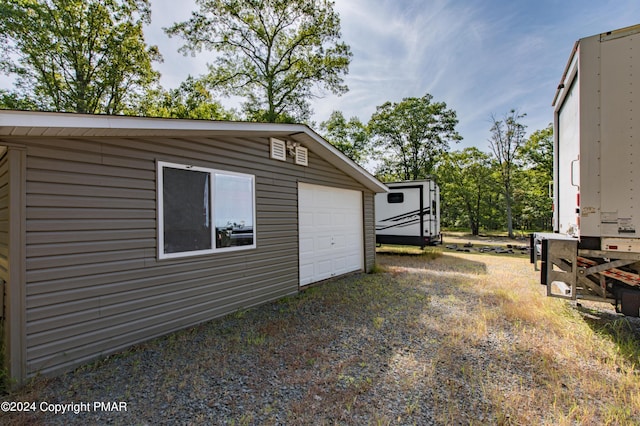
point(409, 214)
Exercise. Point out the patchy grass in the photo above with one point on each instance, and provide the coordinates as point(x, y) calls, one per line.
point(429, 338)
point(518, 357)
point(431, 252)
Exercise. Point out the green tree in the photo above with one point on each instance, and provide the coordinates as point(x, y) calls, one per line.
point(532, 180)
point(350, 137)
point(465, 180)
point(85, 56)
point(13, 100)
point(537, 151)
point(190, 100)
point(273, 53)
point(412, 135)
point(507, 136)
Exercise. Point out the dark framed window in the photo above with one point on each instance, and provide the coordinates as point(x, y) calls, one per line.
point(395, 197)
point(202, 210)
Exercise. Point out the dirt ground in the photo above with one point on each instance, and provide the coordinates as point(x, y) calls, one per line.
point(462, 237)
point(465, 242)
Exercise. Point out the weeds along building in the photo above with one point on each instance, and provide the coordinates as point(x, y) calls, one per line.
point(115, 230)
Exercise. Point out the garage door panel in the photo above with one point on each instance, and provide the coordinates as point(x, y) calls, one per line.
point(338, 218)
point(322, 245)
point(322, 219)
point(306, 270)
point(306, 219)
point(331, 218)
point(307, 245)
point(340, 266)
point(323, 269)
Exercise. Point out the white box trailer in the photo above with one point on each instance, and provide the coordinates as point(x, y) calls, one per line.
point(595, 251)
point(409, 213)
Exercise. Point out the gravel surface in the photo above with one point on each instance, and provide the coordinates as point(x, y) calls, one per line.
point(387, 348)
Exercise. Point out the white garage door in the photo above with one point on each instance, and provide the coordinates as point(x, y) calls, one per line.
point(331, 229)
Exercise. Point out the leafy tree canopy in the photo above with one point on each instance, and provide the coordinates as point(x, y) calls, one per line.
point(190, 100)
point(412, 135)
point(465, 180)
point(273, 53)
point(537, 151)
point(350, 137)
point(85, 56)
point(532, 180)
point(13, 100)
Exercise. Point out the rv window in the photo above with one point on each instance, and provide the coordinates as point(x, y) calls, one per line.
point(395, 197)
point(201, 210)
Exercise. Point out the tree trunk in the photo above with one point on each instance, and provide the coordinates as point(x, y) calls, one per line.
point(509, 216)
point(475, 229)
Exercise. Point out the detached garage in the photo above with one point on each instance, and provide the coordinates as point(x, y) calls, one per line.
point(115, 230)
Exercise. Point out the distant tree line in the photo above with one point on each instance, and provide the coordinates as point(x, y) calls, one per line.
point(504, 189)
point(90, 56)
point(480, 192)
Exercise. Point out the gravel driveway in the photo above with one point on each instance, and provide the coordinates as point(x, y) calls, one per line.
point(401, 347)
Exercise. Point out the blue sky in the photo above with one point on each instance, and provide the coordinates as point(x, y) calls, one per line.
point(480, 57)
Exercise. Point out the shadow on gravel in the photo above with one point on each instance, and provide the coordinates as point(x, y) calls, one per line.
point(444, 263)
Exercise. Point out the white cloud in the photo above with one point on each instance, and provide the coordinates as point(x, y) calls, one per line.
point(481, 58)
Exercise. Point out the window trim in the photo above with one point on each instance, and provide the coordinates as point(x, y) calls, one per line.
point(160, 165)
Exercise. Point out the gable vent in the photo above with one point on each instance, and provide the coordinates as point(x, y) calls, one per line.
point(278, 149)
point(302, 156)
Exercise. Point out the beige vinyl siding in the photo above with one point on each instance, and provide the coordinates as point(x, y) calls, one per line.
point(4, 219)
point(12, 204)
point(94, 284)
point(369, 231)
point(4, 252)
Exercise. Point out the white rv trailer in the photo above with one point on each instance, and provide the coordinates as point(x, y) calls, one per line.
point(409, 213)
point(595, 251)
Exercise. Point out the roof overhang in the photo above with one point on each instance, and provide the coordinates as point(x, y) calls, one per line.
point(54, 124)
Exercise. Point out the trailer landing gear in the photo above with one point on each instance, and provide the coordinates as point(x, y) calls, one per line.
point(580, 274)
